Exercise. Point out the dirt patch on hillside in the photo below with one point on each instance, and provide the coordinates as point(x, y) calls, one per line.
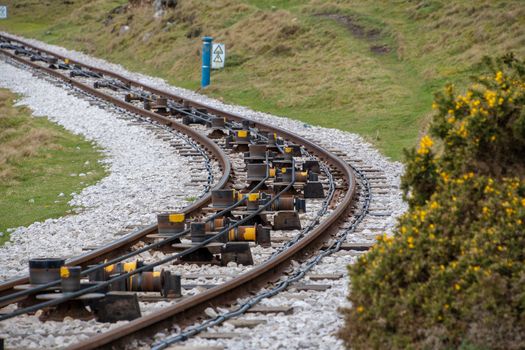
point(380, 49)
point(359, 31)
point(351, 24)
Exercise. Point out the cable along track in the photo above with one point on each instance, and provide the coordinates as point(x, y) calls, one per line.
point(273, 182)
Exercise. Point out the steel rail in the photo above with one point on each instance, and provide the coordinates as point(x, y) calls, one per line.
point(16, 296)
point(109, 250)
point(240, 284)
point(189, 102)
point(5, 300)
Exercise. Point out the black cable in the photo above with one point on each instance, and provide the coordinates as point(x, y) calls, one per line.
point(148, 267)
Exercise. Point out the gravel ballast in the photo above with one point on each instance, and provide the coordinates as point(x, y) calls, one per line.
point(143, 178)
point(315, 318)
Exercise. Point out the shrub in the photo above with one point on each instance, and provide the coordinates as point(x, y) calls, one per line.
point(453, 273)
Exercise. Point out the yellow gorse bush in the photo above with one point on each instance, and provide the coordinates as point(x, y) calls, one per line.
point(453, 273)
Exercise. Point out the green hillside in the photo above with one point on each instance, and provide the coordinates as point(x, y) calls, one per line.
point(358, 65)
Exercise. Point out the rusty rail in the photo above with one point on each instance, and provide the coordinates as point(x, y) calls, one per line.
point(237, 286)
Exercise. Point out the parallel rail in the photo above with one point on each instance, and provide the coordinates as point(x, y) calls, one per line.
point(230, 290)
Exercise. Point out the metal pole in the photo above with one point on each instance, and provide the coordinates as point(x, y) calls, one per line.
point(206, 60)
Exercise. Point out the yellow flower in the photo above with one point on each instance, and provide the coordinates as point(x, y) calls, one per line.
point(425, 144)
point(360, 309)
point(493, 138)
point(485, 211)
point(476, 268)
point(435, 105)
point(410, 241)
point(499, 77)
point(451, 120)
point(457, 286)
point(490, 97)
point(434, 205)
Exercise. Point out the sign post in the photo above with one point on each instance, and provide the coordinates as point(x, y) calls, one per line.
point(206, 60)
point(218, 56)
point(3, 12)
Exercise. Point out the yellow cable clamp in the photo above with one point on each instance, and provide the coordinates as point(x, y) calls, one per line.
point(130, 266)
point(252, 197)
point(272, 172)
point(288, 150)
point(249, 233)
point(242, 133)
point(64, 272)
point(110, 268)
point(178, 217)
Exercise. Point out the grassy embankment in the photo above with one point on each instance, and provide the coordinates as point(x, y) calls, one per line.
point(37, 158)
point(364, 66)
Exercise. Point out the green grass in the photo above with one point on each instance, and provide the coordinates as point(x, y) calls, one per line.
point(283, 58)
point(33, 174)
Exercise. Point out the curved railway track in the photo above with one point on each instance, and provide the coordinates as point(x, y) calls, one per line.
point(182, 114)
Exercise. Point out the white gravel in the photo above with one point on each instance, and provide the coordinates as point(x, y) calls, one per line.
point(315, 317)
point(144, 177)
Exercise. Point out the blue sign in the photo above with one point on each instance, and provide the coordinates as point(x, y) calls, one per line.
point(3, 12)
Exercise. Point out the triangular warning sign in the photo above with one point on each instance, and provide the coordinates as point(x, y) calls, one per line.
point(218, 50)
point(217, 58)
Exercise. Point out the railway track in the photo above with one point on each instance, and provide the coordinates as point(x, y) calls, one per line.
point(280, 198)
